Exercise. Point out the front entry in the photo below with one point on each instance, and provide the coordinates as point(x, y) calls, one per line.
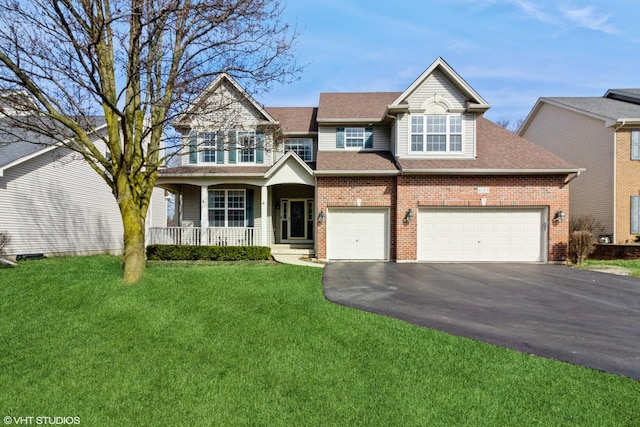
point(297, 219)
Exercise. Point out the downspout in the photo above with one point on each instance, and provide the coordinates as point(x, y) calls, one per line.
point(615, 182)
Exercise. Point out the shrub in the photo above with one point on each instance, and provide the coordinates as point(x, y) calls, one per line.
point(5, 239)
point(581, 245)
point(586, 223)
point(208, 253)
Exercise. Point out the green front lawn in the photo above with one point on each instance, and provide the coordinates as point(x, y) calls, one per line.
point(257, 344)
point(632, 265)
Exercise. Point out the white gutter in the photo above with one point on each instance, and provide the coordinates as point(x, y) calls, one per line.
point(357, 173)
point(489, 171)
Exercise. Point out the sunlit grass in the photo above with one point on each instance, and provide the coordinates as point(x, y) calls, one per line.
point(257, 344)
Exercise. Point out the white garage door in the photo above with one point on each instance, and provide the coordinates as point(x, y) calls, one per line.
point(357, 234)
point(482, 234)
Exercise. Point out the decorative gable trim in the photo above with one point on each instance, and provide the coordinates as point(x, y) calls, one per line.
point(475, 104)
point(184, 117)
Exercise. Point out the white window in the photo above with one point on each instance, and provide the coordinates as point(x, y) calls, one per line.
point(354, 137)
point(303, 147)
point(227, 208)
point(208, 142)
point(436, 133)
point(246, 147)
point(635, 145)
point(635, 214)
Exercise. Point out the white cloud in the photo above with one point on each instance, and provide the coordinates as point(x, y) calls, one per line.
point(532, 10)
point(586, 17)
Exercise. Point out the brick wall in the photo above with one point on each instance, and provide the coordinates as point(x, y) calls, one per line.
point(345, 191)
point(627, 185)
point(413, 192)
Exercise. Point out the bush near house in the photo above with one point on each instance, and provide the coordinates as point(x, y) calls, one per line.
point(5, 239)
point(583, 232)
point(207, 253)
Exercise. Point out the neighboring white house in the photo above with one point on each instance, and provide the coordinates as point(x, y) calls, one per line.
point(53, 203)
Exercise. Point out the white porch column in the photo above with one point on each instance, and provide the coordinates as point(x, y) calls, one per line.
point(204, 214)
point(263, 215)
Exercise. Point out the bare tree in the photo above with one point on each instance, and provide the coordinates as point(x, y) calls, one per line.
point(105, 77)
point(513, 127)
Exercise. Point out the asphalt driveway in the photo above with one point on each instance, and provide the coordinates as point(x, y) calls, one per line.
point(582, 317)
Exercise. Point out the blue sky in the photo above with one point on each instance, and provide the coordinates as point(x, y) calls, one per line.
point(510, 51)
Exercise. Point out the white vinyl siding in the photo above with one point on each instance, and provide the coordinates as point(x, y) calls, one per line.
point(56, 204)
point(585, 142)
point(437, 83)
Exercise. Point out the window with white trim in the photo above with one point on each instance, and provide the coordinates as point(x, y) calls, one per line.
point(208, 144)
point(436, 133)
point(246, 147)
point(303, 147)
point(635, 215)
point(354, 137)
point(227, 208)
point(635, 145)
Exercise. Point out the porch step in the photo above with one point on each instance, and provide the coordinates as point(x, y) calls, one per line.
point(300, 249)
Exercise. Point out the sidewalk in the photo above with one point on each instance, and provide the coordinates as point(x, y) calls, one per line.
point(296, 260)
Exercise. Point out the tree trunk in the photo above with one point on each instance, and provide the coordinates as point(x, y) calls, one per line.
point(133, 222)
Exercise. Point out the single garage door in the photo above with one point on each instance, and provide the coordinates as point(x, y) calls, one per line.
point(357, 234)
point(482, 234)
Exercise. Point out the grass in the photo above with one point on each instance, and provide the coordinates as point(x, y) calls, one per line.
point(257, 344)
point(633, 265)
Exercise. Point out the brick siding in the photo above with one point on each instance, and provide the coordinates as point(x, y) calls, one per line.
point(627, 185)
point(411, 192)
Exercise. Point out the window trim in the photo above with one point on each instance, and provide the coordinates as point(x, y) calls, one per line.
point(308, 147)
point(240, 147)
point(207, 149)
point(635, 144)
point(226, 208)
point(423, 133)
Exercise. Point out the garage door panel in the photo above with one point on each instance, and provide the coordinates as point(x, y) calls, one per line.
point(357, 234)
point(481, 234)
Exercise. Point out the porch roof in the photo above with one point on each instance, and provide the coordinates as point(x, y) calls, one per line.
point(361, 163)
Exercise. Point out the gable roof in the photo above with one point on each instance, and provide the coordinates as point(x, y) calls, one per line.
point(213, 86)
point(18, 145)
point(295, 120)
point(609, 110)
point(498, 151)
point(474, 101)
point(354, 106)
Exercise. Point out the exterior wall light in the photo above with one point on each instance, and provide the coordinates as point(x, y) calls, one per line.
point(321, 217)
point(560, 216)
point(408, 217)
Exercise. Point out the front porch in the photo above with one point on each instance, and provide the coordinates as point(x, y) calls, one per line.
point(216, 236)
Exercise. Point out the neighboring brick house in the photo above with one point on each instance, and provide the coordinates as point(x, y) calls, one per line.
point(603, 135)
point(417, 175)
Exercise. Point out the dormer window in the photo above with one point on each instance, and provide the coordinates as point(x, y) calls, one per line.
point(436, 133)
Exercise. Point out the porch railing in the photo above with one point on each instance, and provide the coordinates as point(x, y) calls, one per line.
point(215, 236)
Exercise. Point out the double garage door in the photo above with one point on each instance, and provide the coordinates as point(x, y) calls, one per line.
point(443, 234)
point(482, 234)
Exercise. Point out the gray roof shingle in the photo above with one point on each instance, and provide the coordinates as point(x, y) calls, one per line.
point(605, 108)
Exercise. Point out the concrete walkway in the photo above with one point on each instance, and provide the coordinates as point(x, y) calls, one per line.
point(296, 260)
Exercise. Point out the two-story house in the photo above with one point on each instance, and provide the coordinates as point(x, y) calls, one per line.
point(418, 175)
point(603, 135)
